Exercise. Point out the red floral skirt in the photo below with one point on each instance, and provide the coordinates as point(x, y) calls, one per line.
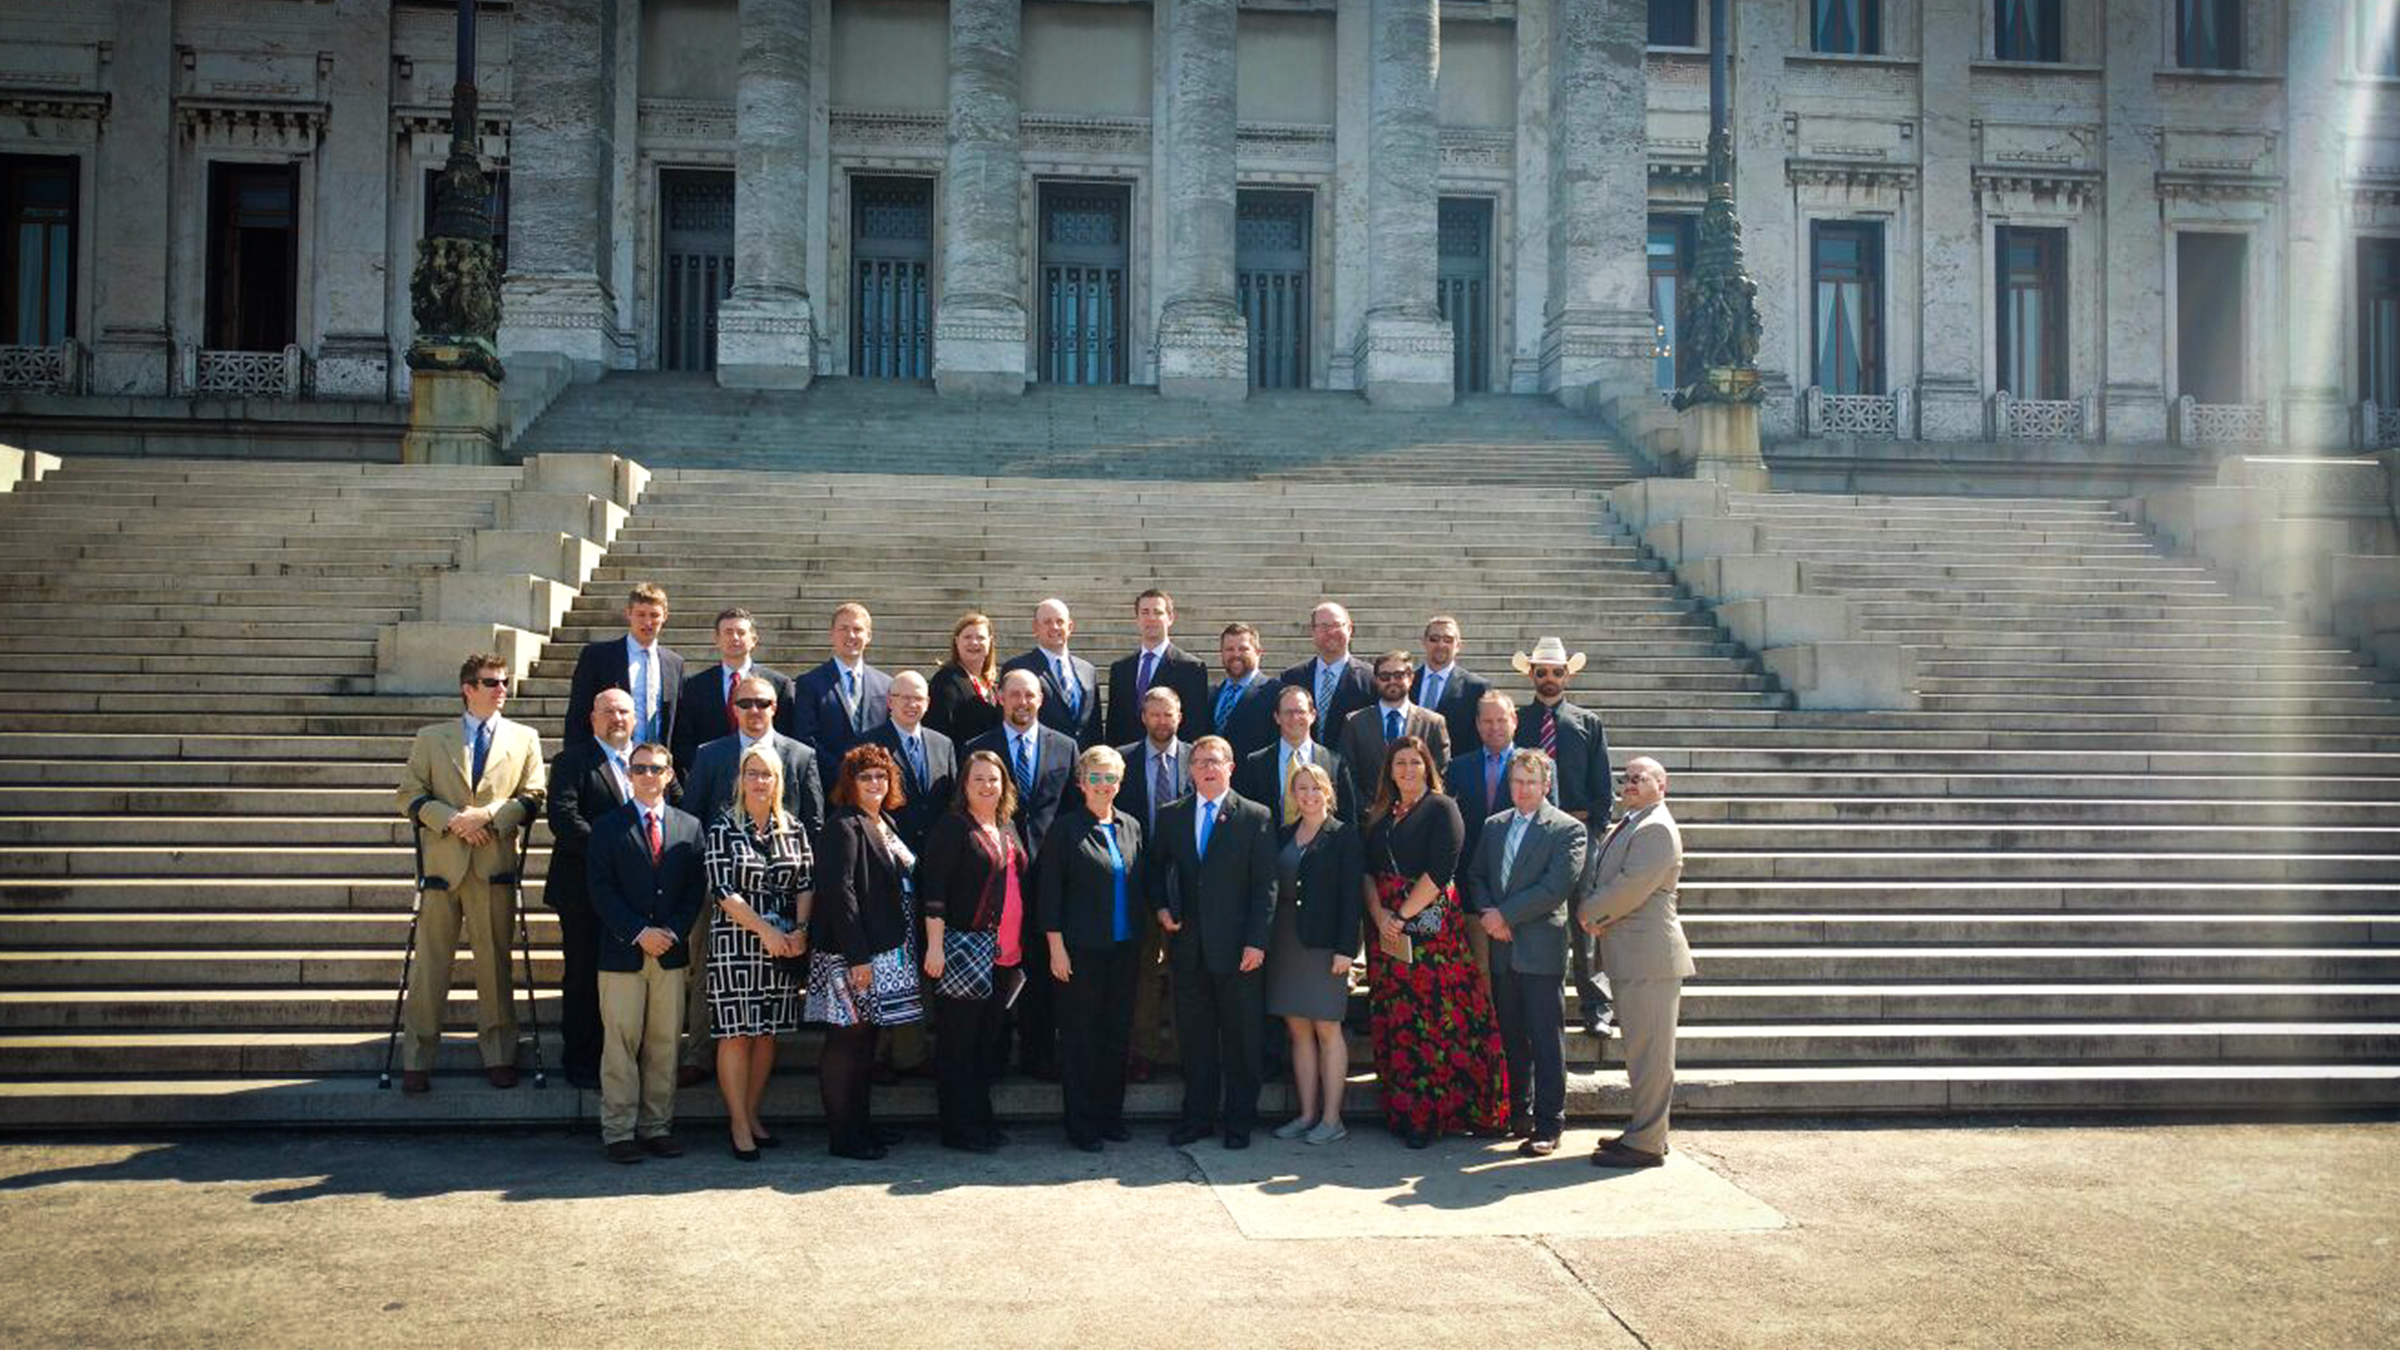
point(1436, 1043)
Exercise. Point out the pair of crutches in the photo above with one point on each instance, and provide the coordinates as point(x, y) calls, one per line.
point(514, 880)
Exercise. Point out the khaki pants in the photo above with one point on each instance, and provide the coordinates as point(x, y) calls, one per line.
point(1153, 996)
point(640, 1013)
point(1646, 1016)
point(698, 1048)
point(489, 912)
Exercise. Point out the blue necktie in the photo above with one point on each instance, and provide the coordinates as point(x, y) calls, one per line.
point(1508, 854)
point(1391, 725)
point(916, 759)
point(1024, 767)
point(1226, 694)
point(1208, 825)
point(1325, 678)
point(1141, 682)
point(483, 748)
point(1432, 697)
point(641, 694)
point(1492, 764)
point(1066, 681)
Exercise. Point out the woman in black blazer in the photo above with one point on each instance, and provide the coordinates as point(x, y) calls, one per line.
point(1091, 911)
point(976, 880)
point(964, 695)
point(1320, 898)
point(862, 976)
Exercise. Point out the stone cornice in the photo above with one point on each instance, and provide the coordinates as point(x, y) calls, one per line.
point(66, 104)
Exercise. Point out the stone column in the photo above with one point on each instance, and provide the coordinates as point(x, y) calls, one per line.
point(1533, 196)
point(2133, 399)
point(1952, 291)
point(354, 349)
point(562, 149)
point(1203, 340)
point(1597, 333)
point(1762, 37)
point(2317, 248)
point(132, 349)
point(765, 336)
point(979, 328)
point(1403, 347)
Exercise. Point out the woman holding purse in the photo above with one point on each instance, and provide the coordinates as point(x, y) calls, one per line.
point(975, 878)
point(862, 975)
point(1091, 912)
point(757, 861)
point(1436, 1042)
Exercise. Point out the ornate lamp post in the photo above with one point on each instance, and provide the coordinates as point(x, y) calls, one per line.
point(1719, 318)
point(454, 295)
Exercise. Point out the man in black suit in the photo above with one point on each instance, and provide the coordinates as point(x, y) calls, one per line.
point(709, 788)
point(1242, 706)
point(1212, 881)
point(1071, 699)
point(1340, 683)
point(1388, 719)
point(1574, 740)
point(636, 663)
point(1446, 688)
point(1042, 760)
point(928, 773)
point(1266, 775)
point(587, 782)
point(705, 710)
point(1158, 770)
point(647, 883)
point(1160, 664)
point(836, 705)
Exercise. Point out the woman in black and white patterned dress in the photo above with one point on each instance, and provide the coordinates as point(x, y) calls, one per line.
point(759, 875)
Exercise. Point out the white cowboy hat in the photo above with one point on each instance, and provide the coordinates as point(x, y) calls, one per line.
point(1547, 652)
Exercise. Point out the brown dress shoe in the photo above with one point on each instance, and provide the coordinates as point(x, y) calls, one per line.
point(1618, 1153)
point(501, 1075)
point(415, 1081)
point(662, 1146)
point(623, 1151)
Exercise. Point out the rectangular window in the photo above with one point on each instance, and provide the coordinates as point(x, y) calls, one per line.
point(2377, 49)
point(37, 256)
point(495, 203)
point(2210, 336)
point(1846, 27)
point(253, 253)
point(1670, 272)
point(2032, 310)
point(2208, 34)
point(1674, 23)
point(2379, 321)
point(2026, 30)
point(1846, 261)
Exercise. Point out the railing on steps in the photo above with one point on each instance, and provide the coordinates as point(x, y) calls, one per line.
point(2239, 425)
point(1871, 417)
point(241, 374)
point(2043, 419)
point(55, 369)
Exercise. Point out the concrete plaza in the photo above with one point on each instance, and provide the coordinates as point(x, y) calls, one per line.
point(1840, 1235)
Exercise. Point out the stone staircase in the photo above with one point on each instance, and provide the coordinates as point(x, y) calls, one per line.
point(2141, 847)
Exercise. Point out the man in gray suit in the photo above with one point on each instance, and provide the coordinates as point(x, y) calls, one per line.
point(1629, 905)
point(706, 793)
point(1527, 866)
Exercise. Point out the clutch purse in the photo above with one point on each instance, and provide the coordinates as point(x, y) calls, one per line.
point(790, 965)
point(1401, 948)
point(967, 962)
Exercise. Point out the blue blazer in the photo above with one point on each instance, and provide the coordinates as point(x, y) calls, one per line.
point(1084, 730)
point(603, 665)
point(820, 722)
point(1053, 777)
point(630, 893)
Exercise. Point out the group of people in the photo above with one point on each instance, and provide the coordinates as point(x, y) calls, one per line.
point(1093, 873)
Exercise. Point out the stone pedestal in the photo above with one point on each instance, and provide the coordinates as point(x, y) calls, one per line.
point(979, 328)
point(1722, 440)
point(979, 347)
point(453, 414)
point(2317, 419)
point(1404, 360)
point(1203, 351)
point(1950, 409)
point(765, 342)
point(2134, 414)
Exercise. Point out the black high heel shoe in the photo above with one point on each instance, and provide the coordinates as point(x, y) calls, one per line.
point(744, 1154)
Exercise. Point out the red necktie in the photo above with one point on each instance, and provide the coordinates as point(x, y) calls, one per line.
point(655, 846)
point(733, 681)
point(1550, 732)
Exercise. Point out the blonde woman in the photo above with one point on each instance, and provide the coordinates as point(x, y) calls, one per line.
point(759, 875)
point(1320, 895)
point(964, 695)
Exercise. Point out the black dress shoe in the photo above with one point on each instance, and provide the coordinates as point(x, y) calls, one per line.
point(970, 1145)
point(744, 1154)
point(886, 1135)
point(1237, 1139)
point(859, 1153)
point(589, 1082)
point(1186, 1133)
point(996, 1138)
point(1416, 1140)
point(1538, 1146)
point(1084, 1143)
point(662, 1146)
point(624, 1151)
point(1117, 1133)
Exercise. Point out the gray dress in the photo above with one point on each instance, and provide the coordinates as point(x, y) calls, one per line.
point(1300, 980)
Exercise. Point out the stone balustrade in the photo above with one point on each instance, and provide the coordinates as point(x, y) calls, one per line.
point(55, 369)
point(1858, 417)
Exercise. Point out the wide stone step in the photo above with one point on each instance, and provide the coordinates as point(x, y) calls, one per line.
point(1710, 929)
point(1936, 896)
point(2033, 812)
point(2030, 864)
point(1805, 791)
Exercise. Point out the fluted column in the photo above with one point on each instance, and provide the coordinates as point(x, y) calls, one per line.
point(1403, 347)
point(2317, 248)
point(1952, 314)
point(766, 334)
point(2133, 391)
point(561, 182)
point(1762, 38)
point(979, 328)
point(1597, 333)
point(1203, 340)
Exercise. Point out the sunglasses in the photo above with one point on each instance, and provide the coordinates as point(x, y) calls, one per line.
point(1103, 779)
point(645, 770)
point(755, 704)
point(491, 681)
point(1391, 675)
point(1559, 671)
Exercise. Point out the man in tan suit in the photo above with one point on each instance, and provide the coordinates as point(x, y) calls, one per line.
point(472, 782)
point(1629, 904)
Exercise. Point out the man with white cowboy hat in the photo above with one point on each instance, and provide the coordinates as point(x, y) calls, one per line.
point(1572, 737)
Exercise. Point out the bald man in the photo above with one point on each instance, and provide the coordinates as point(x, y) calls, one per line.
point(1071, 696)
point(1628, 903)
point(1340, 683)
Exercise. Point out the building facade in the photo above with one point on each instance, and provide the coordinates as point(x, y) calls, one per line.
point(1968, 219)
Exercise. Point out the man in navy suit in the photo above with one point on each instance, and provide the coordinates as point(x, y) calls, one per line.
point(837, 705)
point(1339, 682)
point(647, 884)
point(637, 663)
point(1160, 664)
point(1266, 776)
point(587, 783)
point(1071, 699)
point(1042, 760)
point(1242, 706)
point(1447, 689)
point(705, 710)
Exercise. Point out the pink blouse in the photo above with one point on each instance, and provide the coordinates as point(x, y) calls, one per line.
point(1012, 905)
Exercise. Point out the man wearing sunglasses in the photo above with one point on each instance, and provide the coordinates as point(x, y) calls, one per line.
point(1391, 716)
point(471, 783)
point(647, 885)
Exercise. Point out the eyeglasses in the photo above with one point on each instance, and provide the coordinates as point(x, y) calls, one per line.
point(1391, 675)
point(645, 770)
point(755, 704)
point(1103, 779)
point(491, 681)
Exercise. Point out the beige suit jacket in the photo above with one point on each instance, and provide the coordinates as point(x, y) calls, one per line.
point(1631, 887)
point(514, 783)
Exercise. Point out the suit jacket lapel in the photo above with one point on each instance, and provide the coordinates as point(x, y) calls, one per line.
point(459, 754)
